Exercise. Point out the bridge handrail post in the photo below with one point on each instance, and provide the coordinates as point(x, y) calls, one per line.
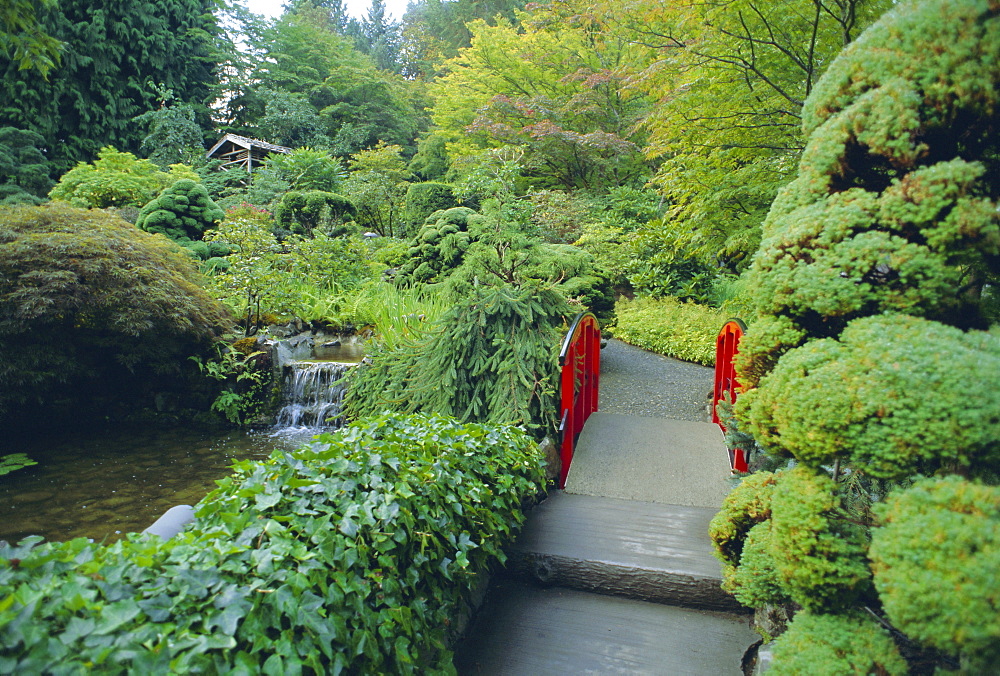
point(580, 369)
point(726, 384)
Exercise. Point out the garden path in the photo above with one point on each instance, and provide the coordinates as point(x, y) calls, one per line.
point(616, 574)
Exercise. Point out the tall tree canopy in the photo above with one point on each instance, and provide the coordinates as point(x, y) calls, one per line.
point(731, 77)
point(555, 89)
point(434, 30)
point(22, 38)
point(112, 50)
point(338, 97)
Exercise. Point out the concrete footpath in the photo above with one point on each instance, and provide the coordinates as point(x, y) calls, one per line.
point(615, 575)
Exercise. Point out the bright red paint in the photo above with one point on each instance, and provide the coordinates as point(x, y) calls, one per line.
point(726, 349)
point(580, 361)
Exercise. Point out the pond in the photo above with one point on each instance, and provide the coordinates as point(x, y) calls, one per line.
point(101, 485)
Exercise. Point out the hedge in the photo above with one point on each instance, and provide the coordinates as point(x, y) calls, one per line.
point(354, 553)
point(667, 326)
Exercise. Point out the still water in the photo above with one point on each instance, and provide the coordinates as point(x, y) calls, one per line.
point(103, 485)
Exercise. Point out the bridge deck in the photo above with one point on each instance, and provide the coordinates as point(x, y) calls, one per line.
point(615, 575)
point(675, 462)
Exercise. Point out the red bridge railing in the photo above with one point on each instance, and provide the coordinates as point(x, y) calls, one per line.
point(726, 348)
point(580, 364)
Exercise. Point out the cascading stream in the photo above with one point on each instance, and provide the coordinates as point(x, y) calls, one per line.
point(313, 393)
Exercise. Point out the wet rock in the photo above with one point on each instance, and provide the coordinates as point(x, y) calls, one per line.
point(295, 348)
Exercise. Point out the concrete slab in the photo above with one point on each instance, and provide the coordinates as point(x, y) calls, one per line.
point(675, 462)
point(523, 630)
point(637, 382)
point(643, 550)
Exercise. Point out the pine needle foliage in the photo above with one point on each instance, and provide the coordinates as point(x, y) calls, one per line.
point(872, 355)
point(492, 358)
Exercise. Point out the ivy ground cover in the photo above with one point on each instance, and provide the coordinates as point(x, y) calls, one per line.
point(353, 554)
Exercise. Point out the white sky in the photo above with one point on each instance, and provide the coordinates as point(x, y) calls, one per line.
point(356, 8)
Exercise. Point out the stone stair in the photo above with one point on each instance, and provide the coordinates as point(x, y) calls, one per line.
point(640, 550)
point(615, 575)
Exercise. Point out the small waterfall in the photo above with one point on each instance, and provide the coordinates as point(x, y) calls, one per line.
point(313, 393)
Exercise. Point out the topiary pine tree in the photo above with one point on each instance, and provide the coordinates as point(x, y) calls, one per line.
point(423, 199)
point(872, 290)
point(302, 211)
point(182, 212)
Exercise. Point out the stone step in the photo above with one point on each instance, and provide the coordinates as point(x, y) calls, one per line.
point(676, 462)
point(640, 550)
point(524, 630)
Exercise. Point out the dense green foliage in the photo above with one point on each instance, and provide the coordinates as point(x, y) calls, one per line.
point(864, 398)
point(111, 52)
point(423, 199)
point(172, 133)
point(182, 212)
point(836, 644)
point(439, 246)
point(24, 173)
point(303, 276)
point(869, 365)
point(747, 505)
point(302, 212)
point(92, 308)
point(22, 38)
point(463, 249)
point(733, 78)
point(309, 169)
point(116, 179)
point(667, 326)
point(819, 557)
point(942, 535)
point(574, 123)
point(354, 554)
point(492, 357)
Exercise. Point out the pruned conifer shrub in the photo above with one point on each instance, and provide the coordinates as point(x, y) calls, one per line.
point(836, 644)
point(182, 212)
point(935, 556)
point(873, 355)
point(491, 358)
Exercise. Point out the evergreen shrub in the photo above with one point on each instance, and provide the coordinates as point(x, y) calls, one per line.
point(92, 307)
point(491, 358)
point(667, 326)
point(871, 354)
point(116, 179)
point(463, 249)
point(182, 212)
point(302, 211)
point(24, 170)
point(423, 199)
point(819, 557)
point(439, 246)
point(829, 645)
point(747, 505)
point(865, 398)
point(935, 558)
point(356, 553)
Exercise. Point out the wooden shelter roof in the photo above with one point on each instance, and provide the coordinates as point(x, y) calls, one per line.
point(236, 150)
